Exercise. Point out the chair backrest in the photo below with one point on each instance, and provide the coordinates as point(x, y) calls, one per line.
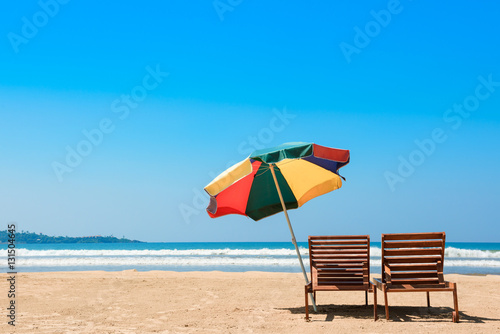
point(340, 260)
point(413, 258)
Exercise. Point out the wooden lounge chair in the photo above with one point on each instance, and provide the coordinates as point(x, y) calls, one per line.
point(413, 262)
point(340, 263)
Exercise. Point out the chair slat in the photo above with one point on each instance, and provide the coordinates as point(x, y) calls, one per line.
point(340, 279)
point(330, 269)
point(415, 281)
point(340, 242)
point(412, 244)
point(341, 283)
point(339, 287)
point(335, 252)
point(418, 274)
point(335, 277)
point(413, 259)
point(343, 274)
point(333, 247)
point(413, 236)
point(341, 237)
point(335, 267)
point(406, 251)
point(416, 266)
point(358, 257)
point(339, 263)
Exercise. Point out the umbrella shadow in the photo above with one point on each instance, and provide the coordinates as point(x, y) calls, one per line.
point(396, 313)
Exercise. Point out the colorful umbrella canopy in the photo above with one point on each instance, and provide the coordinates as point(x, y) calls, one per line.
point(303, 172)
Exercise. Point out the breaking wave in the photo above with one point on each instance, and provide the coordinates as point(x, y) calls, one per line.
point(450, 252)
point(202, 261)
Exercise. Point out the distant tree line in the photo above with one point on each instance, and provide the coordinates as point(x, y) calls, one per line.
point(26, 237)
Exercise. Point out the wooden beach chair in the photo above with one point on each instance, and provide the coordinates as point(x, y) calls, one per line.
point(340, 263)
point(413, 262)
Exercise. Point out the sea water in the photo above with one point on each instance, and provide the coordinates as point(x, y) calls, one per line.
point(460, 257)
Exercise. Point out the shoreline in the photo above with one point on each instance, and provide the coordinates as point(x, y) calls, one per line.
point(375, 270)
point(132, 301)
point(376, 273)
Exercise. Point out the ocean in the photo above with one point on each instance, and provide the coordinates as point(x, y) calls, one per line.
point(460, 257)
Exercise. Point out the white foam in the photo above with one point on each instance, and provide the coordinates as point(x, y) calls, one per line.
point(450, 252)
point(472, 263)
point(23, 252)
point(154, 261)
point(470, 253)
point(202, 261)
point(375, 251)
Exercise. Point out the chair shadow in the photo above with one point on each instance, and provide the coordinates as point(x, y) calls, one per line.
point(331, 311)
point(428, 314)
point(396, 313)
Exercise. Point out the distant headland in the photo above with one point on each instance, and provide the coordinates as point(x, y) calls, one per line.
point(26, 237)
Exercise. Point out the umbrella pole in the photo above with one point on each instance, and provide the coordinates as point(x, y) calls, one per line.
point(294, 241)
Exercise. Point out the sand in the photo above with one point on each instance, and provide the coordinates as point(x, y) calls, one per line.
point(217, 302)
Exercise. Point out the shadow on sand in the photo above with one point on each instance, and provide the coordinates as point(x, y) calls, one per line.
point(396, 313)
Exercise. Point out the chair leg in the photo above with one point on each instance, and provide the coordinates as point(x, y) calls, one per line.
point(366, 298)
point(307, 304)
point(386, 302)
point(455, 302)
point(316, 300)
point(375, 315)
point(428, 299)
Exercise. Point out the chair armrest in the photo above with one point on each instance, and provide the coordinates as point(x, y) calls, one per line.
point(314, 276)
point(440, 271)
point(387, 273)
point(377, 282)
point(366, 270)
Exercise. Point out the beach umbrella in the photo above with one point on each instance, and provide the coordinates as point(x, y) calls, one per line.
point(277, 179)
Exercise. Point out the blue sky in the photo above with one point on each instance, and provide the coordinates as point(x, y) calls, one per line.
point(114, 117)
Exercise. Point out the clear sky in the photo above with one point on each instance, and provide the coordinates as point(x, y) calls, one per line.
point(114, 116)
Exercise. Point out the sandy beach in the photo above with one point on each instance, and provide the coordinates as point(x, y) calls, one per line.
point(220, 302)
